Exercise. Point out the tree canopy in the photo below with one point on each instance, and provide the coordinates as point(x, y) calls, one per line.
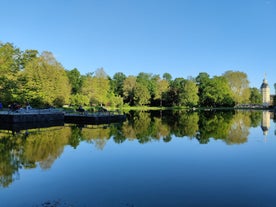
point(28, 76)
point(239, 85)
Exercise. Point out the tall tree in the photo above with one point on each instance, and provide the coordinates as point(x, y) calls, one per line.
point(46, 81)
point(202, 80)
point(239, 85)
point(148, 80)
point(128, 88)
point(188, 96)
point(224, 97)
point(161, 89)
point(75, 80)
point(118, 83)
point(183, 92)
point(10, 65)
point(172, 98)
point(167, 77)
point(141, 95)
point(174, 91)
point(88, 87)
point(216, 92)
point(102, 86)
point(96, 87)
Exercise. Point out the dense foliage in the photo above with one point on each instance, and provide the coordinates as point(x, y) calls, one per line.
point(27, 76)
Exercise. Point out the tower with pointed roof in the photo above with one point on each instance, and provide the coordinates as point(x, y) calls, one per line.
point(265, 91)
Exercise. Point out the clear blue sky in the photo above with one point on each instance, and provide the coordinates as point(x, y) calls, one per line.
point(181, 37)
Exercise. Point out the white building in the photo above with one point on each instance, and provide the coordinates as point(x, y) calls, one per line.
point(265, 91)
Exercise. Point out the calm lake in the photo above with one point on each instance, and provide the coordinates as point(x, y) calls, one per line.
point(158, 158)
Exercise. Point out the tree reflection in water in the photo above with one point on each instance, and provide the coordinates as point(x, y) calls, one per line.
point(43, 146)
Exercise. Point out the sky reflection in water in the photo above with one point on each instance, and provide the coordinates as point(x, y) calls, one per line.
point(181, 172)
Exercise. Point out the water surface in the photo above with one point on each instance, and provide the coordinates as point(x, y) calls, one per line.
point(152, 159)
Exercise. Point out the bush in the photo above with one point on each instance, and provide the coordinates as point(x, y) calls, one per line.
point(79, 100)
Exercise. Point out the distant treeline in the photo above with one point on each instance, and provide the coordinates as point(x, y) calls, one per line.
point(38, 78)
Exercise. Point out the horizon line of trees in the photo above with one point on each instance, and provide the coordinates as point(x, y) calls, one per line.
point(27, 76)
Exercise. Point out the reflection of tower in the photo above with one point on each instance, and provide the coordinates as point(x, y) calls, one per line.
point(265, 91)
point(265, 125)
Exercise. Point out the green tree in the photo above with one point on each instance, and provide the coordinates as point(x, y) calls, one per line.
point(255, 96)
point(167, 77)
point(214, 92)
point(141, 94)
point(161, 89)
point(10, 65)
point(223, 92)
point(150, 82)
point(88, 87)
point(183, 92)
point(75, 80)
point(118, 83)
point(202, 80)
point(173, 93)
point(102, 86)
point(188, 95)
point(45, 81)
point(239, 85)
point(27, 56)
point(128, 89)
point(115, 100)
point(96, 87)
point(79, 100)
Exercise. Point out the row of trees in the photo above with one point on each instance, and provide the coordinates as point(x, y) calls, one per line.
point(27, 76)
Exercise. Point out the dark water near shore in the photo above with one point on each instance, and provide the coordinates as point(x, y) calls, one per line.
point(208, 158)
